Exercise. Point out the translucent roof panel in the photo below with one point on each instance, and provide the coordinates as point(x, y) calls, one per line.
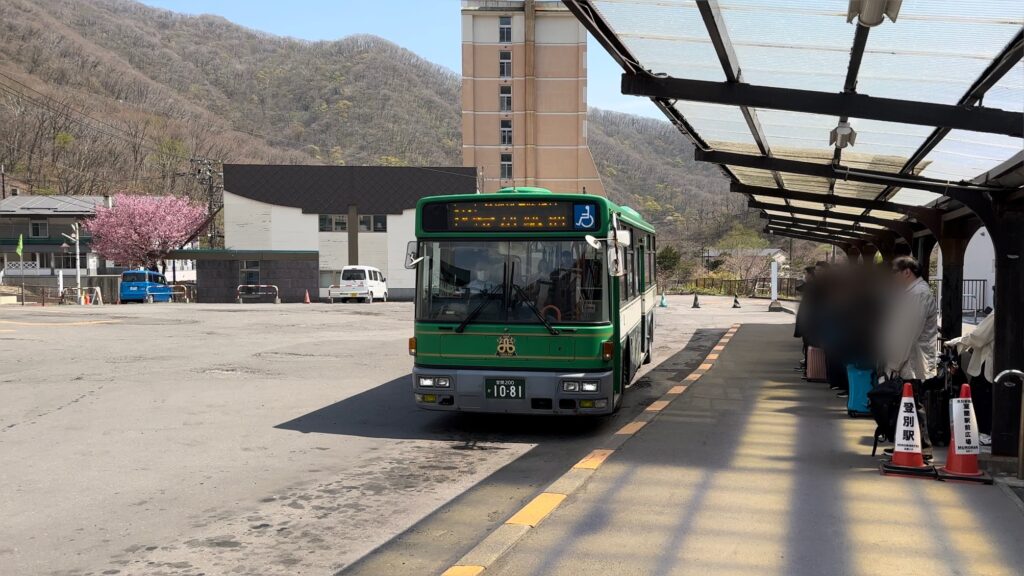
point(666, 37)
point(963, 155)
point(936, 49)
point(722, 125)
point(913, 197)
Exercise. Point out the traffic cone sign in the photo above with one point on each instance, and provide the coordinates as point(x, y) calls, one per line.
point(696, 303)
point(306, 301)
point(907, 459)
point(87, 302)
point(962, 457)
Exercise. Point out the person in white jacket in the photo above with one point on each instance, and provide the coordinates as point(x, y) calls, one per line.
point(981, 344)
point(911, 330)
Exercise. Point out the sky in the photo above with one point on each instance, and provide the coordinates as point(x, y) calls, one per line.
point(430, 28)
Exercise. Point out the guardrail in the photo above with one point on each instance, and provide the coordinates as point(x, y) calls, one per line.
point(183, 293)
point(256, 291)
point(79, 296)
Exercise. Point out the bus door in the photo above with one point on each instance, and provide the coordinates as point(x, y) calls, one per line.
point(641, 270)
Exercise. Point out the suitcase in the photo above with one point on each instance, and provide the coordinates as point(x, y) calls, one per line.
point(816, 370)
point(861, 382)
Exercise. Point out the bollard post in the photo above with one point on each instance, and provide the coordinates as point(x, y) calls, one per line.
point(696, 303)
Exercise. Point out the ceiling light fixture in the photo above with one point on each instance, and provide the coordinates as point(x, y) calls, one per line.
point(842, 136)
point(871, 12)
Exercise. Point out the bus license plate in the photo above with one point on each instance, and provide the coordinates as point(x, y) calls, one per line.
point(505, 388)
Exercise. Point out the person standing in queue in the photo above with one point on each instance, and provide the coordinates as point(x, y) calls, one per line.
point(910, 332)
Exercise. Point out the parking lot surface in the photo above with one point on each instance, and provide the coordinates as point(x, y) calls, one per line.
point(186, 439)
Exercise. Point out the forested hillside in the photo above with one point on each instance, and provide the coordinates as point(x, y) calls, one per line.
point(105, 95)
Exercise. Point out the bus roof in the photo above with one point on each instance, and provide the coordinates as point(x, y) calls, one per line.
point(626, 214)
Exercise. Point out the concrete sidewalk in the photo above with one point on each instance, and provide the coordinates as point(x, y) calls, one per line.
point(754, 471)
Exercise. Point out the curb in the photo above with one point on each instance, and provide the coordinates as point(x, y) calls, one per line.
point(505, 537)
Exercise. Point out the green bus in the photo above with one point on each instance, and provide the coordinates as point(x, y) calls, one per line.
point(529, 302)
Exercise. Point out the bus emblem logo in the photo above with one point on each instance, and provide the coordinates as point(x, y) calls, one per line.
point(506, 346)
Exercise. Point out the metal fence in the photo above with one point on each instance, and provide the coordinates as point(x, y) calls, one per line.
point(753, 287)
point(975, 294)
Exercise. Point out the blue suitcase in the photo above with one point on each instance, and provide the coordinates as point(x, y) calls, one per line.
point(861, 381)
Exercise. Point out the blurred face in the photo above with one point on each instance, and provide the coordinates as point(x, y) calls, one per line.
point(904, 277)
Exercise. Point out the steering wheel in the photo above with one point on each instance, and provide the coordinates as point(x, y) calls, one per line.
point(558, 313)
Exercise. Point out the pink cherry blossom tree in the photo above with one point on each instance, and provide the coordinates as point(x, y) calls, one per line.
point(143, 230)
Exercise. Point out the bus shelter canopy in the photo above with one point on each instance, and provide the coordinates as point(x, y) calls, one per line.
point(933, 94)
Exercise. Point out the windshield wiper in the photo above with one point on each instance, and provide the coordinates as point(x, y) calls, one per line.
point(526, 299)
point(488, 298)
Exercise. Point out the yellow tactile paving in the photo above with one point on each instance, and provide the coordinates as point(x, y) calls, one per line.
point(463, 571)
point(718, 348)
point(692, 378)
point(712, 356)
point(705, 366)
point(633, 427)
point(593, 460)
point(537, 509)
point(657, 406)
point(677, 389)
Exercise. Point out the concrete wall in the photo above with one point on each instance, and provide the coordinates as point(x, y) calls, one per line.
point(401, 230)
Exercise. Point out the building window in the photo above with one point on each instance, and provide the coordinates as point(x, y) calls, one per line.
point(505, 98)
point(380, 222)
point(505, 64)
point(67, 261)
point(249, 272)
point(506, 132)
point(506, 166)
point(333, 222)
point(38, 230)
point(365, 223)
point(504, 29)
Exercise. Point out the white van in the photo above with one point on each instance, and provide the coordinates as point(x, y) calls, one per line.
point(364, 283)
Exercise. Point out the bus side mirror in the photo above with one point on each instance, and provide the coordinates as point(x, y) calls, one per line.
point(412, 257)
point(616, 261)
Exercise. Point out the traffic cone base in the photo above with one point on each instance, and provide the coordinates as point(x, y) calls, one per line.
point(924, 471)
point(979, 478)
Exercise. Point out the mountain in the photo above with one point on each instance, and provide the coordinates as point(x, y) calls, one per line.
point(101, 95)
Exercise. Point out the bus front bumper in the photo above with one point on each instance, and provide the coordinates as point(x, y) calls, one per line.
point(541, 392)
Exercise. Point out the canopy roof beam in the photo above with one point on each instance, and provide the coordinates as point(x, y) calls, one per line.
point(815, 238)
point(904, 229)
point(918, 212)
point(775, 228)
point(839, 172)
point(974, 118)
point(827, 226)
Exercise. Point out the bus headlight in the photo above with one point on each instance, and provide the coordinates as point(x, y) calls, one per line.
point(570, 386)
point(588, 386)
point(435, 382)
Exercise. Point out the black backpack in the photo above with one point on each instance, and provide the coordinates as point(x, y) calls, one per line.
point(884, 403)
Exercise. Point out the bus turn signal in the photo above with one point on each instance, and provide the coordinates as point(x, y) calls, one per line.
point(412, 346)
point(607, 350)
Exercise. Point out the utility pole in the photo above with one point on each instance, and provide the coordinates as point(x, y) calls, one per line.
point(3, 183)
point(75, 237)
point(209, 174)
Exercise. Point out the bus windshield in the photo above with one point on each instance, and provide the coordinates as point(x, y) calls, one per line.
point(512, 281)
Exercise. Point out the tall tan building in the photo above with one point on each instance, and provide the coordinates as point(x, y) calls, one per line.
point(524, 96)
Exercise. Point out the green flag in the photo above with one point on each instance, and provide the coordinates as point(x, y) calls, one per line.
point(20, 245)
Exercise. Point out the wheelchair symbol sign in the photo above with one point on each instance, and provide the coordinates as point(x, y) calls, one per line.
point(583, 217)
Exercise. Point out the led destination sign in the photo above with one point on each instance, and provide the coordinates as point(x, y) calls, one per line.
point(511, 216)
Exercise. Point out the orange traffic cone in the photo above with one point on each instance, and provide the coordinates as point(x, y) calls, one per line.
point(306, 301)
point(907, 459)
point(87, 301)
point(962, 458)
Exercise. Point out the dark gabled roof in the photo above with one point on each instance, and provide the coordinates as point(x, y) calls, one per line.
point(331, 189)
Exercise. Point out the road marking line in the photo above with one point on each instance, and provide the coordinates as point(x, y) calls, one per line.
point(676, 389)
point(537, 509)
point(705, 366)
point(657, 406)
point(50, 324)
point(713, 356)
point(718, 348)
point(463, 571)
point(594, 460)
point(692, 377)
point(633, 427)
